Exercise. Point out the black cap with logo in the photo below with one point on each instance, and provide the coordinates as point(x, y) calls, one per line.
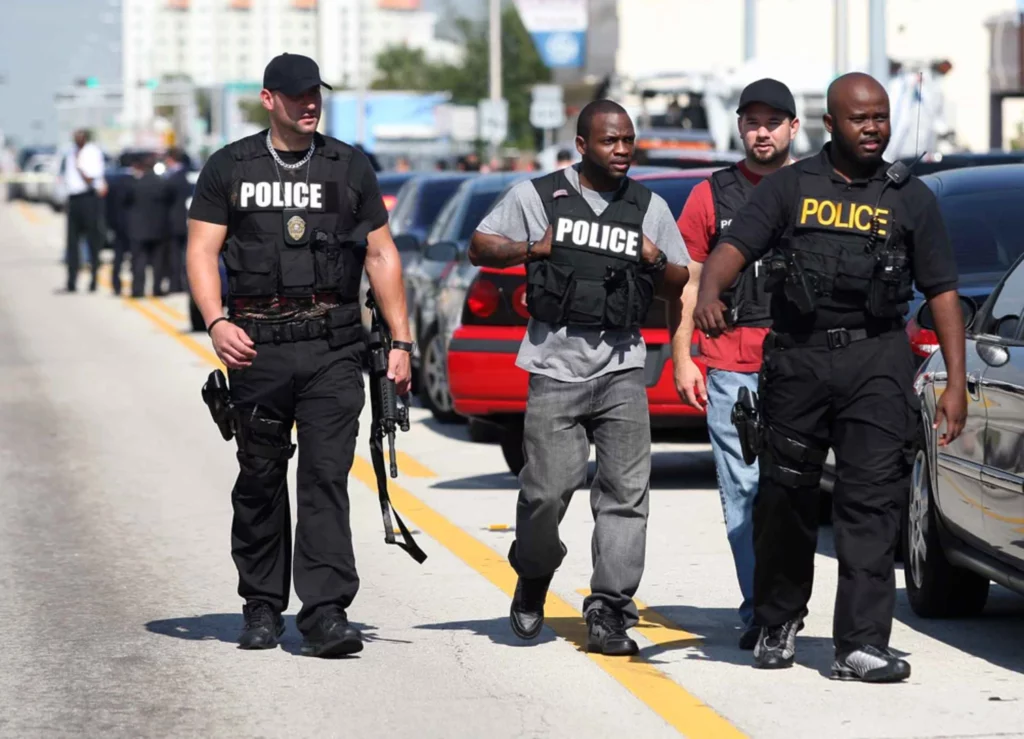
point(771, 92)
point(292, 74)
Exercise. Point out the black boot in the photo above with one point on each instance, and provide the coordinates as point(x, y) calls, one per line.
point(527, 612)
point(263, 626)
point(332, 636)
point(870, 665)
point(606, 634)
point(776, 646)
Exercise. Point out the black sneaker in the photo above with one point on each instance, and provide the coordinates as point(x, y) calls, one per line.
point(606, 634)
point(332, 636)
point(776, 646)
point(263, 626)
point(870, 665)
point(527, 612)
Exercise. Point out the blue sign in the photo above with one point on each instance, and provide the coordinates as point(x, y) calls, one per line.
point(558, 29)
point(561, 48)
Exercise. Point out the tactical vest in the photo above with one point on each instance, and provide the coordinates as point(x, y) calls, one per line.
point(292, 232)
point(851, 247)
point(748, 298)
point(593, 276)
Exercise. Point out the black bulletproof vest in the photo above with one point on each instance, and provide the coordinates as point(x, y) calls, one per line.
point(851, 245)
point(290, 234)
point(748, 297)
point(592, 277)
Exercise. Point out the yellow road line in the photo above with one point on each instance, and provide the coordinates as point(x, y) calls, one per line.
point(165, 308)
point(658, 629)
point(27, 213)
point(411, 467)
point(667, 698)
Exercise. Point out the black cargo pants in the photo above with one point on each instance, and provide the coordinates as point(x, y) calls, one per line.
point(859, 400)
point(322, 391)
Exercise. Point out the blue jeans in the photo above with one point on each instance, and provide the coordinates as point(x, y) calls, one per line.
point(737, 481)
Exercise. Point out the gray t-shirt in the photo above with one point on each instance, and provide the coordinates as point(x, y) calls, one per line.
point(575, 354)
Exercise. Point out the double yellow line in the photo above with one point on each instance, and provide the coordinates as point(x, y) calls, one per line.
point(667, 698)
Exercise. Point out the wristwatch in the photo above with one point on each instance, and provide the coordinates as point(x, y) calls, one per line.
point(405, 346)
point(659, 263)
point(529, 249)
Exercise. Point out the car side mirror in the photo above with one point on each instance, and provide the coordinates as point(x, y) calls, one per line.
point(442, 251)
point(406, 242)
point(926, 320)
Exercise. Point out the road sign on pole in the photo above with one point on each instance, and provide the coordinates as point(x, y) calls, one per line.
point(493, 120)
point(547, 108)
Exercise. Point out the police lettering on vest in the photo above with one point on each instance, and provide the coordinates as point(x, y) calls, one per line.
point(747, 299)
point(592, 277)
point(295, 238)
point(842, 215)
point(278, 195)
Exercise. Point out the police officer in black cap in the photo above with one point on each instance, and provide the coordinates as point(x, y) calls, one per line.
point(854, 235)
point(295, 215)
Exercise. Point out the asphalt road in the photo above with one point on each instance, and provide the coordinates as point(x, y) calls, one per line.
point(119, 613)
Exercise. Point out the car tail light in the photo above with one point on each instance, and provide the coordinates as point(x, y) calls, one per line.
point(923, 341)
point(483, 298)
point(519, 301)
point(389, 202)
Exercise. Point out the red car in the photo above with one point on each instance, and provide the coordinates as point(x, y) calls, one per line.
point(485, 383)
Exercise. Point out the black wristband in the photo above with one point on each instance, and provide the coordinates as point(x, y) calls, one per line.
point(214, 322)
point(403, 345)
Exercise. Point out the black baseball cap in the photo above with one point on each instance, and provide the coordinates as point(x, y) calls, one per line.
point(292, 74)
point(770, 92)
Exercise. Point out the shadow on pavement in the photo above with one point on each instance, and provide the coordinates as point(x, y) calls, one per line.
point(669, 470)
point(495, 629)
point(226, 627)
point(456, 431)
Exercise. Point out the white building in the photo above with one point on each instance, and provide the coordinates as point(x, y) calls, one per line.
point(215, 42)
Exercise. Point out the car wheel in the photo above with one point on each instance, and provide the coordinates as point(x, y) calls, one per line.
point(434, 380)
point(935, 588)
point(512, 448)
point(195, 317)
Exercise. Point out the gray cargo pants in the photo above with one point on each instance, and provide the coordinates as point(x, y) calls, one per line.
point(613, 408)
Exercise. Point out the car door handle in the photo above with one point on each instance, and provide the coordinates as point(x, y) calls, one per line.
point(972, 385)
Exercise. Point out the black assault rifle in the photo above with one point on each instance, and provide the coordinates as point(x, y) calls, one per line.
point(388, 416)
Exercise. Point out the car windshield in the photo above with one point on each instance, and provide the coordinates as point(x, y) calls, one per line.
point(675, 190)
point(433, 196)
point(986, 228)
point(476, 209)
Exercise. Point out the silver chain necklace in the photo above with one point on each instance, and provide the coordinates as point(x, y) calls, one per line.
point(280, 163)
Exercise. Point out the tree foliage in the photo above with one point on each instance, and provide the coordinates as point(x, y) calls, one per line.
point(402, 68)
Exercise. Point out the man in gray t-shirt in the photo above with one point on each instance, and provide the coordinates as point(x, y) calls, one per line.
point(586, 380)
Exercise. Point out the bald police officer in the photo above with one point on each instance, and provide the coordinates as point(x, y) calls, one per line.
point(854, 235)
point(296, 216)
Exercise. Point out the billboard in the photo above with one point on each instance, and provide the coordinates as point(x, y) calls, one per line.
point(558, 29)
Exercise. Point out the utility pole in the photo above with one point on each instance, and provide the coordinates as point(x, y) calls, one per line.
point(749, 29)
point(842, 58)
point(357, 6)
point(495, 59)
point(879, 59)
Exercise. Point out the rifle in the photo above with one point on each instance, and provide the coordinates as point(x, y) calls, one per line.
point(387, 415)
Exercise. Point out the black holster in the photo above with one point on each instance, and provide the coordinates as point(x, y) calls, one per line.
point(746, 417)
point(218, 400)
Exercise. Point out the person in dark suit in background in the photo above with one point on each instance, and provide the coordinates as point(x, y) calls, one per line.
point(149, 203)
point(176, 178)
point(117, 220)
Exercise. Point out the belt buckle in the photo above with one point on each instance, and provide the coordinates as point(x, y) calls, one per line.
point(838, 338)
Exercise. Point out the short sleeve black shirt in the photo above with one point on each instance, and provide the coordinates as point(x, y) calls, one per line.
point(759, 226)
point(211, 200)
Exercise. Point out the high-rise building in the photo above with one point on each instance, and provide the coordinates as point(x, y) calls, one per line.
point(217, 42)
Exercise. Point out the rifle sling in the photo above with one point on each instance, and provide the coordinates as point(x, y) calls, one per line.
point(377, 455)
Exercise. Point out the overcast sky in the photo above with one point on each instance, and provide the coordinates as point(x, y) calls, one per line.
point(46, 44)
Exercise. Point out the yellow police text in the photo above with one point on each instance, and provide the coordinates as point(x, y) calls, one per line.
point(842, 215)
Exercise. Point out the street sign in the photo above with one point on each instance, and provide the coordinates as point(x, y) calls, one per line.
point(493, 120)
point(558, 29)
point(547, 108)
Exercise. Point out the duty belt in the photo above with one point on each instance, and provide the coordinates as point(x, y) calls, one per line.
point(263, 332)
point(835, 338)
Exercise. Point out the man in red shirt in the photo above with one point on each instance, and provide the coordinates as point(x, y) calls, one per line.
point(767, 124)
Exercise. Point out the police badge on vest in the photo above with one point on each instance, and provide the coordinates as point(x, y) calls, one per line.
point(594, 277)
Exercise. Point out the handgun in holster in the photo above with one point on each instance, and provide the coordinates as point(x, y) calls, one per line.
point(746, 418)
point(218, 398)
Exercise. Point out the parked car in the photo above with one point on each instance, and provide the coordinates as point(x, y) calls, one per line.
point(390, 183)
point(964, 525)
point(490, 322)
point(981, 209)
point(447, 239)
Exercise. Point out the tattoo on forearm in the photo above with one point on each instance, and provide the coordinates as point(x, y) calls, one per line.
point(500, 254)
